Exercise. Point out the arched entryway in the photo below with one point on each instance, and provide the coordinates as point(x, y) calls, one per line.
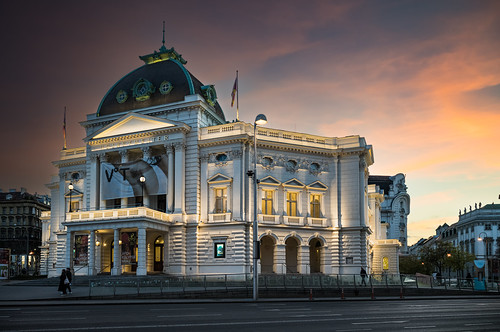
point(315, 255)
point(291, 245)
point(158, 253)
point(267, 245)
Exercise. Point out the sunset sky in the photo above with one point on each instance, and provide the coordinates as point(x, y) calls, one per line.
point(420, 80)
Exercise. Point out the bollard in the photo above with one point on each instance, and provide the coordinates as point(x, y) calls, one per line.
point(401, 293)
point(342, 294)
point(373, 294)
point(310, 294)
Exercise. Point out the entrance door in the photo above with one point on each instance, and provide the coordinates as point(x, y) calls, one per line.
point(267, 254)
point(158, 256)
point(315, 255)
point(291, 255)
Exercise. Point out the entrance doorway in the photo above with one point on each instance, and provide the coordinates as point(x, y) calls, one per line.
point(267, 254)
point(315, 255)
point(291, 245)
point(158, 253)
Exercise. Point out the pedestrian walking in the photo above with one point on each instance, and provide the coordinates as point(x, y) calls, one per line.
point(70, 279)
point(62, 282)
point(362, 273)
point(469, 279)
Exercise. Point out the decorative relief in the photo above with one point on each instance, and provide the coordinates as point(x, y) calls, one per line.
point(315, 168)
point(142, 89)
point(121, 97)
point(165, 87)
point(267, 163)
point(221, 159)
point(291, 166)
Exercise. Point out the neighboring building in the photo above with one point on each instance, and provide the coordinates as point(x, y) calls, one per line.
point(21, 228)
point(477, 232)
point(395, 208)
point(162, 185)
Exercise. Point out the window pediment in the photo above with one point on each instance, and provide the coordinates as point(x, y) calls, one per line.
point(318, 185)
point(269, 180)
point(293, 183)
point(219, 178)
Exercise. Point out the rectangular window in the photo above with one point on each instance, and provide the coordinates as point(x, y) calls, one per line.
point(315, 206)
point(349, 260)
point(487, 227)
point(220, 200)
point(219, 250)
point(291, 204)
point(267, 202)
point(75, 206)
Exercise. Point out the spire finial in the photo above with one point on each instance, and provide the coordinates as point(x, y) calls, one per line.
point(163, 41)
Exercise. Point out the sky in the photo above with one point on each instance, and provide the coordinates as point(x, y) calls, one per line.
point(420, 80)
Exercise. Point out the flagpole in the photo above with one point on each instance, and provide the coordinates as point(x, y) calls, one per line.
point(64, 129)
point(237, 99)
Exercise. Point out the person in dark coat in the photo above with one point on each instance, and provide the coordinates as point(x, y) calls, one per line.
point(70, 279)
point(363, 276)
point(62, 285)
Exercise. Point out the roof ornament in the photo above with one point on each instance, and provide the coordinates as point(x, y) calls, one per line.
point(163, 40)
point(163, 53)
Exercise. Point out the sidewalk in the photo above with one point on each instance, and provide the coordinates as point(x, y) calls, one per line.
point(29, 293)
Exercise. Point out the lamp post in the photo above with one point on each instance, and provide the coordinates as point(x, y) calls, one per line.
point(259, 121)
point(142, 179)
point(485, 239)
point(70, 187)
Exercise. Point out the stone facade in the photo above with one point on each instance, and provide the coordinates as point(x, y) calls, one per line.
point(193, 212)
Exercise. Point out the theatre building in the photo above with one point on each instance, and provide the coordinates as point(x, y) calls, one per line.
point(161, 185)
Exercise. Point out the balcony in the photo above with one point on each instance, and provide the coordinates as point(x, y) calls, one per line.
point(268, 218)
point(294, 221)
point(219, 217)
point(317, 222)
point(126, 213)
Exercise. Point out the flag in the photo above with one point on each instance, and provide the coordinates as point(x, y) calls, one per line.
point(64, 128)
point(235, 90)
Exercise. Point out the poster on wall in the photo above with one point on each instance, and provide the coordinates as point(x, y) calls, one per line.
point(122, 180)
point(81, 249)
point(129, 243)
point(4, 263)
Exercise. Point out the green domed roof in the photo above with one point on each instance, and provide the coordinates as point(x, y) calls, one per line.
point(162, 80)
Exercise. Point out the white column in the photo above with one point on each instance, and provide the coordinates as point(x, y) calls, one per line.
point(304, 257)
point(237, 189)
point(117, 266)
point(102, 159)
point(180, 178)
point(92, 253)
point(94, 182)
point(124, 155)
point(204, 187)
point(141, 252)
point(146, 154)
point(69, 251)
point(170, 178)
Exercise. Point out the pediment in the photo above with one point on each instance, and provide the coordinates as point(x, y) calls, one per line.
point(317, 185)
point(293, 183)
point(270, 180)
point(133, 123)
point(217, 178)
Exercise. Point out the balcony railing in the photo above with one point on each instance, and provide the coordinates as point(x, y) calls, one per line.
point(126, 213)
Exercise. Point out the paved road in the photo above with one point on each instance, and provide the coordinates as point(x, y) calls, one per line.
point(402, 315)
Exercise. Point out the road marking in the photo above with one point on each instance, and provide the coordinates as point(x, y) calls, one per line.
point(354, 330)
point(53, 318)
point(51, 311)
point(420, 327)
point(4, 316)
point(175, 316)
point(318, 315)
point(477, 324)
point(13, 309)
point(177, 309)
point(382, 322)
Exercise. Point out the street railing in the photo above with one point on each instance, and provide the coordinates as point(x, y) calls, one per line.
point(135, 285)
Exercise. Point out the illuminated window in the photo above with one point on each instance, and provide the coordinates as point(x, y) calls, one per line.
point(315, 206)
point(220, 200)
point(219, 250)
point(267, 202)
point(385, 263)
point(291, 204)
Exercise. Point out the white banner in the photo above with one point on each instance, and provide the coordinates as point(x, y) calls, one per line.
point(122, 180)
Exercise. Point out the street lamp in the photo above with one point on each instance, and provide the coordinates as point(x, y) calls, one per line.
point(485, 239)
point(142, 179)
point(70, 187)
point(259, 121)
